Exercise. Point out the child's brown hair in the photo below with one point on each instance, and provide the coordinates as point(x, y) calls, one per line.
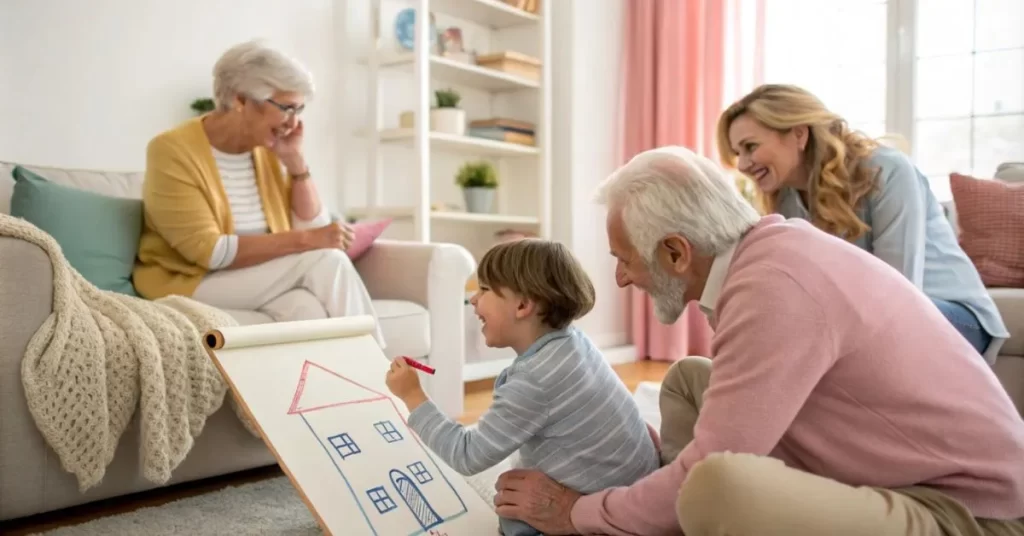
point(543, 271)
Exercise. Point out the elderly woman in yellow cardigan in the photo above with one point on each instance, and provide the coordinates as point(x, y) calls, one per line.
point(232, 217)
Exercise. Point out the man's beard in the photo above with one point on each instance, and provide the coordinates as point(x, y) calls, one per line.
point(667, 293)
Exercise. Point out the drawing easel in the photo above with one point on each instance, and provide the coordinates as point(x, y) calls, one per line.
point(315, 391)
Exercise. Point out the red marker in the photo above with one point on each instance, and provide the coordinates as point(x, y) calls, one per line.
point(418, 365)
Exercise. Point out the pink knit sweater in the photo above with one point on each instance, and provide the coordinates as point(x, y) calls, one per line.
point(829, 359)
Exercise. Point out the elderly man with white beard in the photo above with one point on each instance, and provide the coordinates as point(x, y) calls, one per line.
point(838, 399)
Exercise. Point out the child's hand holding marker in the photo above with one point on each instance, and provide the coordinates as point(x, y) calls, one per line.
point(404, 383)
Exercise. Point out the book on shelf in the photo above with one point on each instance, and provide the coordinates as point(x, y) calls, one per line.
point(499, 134)
point(504, 122)
point(503, 129)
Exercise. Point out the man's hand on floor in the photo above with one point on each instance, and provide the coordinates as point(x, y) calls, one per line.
point(533, 497)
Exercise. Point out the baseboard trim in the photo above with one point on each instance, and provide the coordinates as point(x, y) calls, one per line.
point(620, 355)
point(609, 340)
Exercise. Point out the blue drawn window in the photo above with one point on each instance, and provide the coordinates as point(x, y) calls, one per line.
point(380, 499)
point(420, 472)
point(344, 445)
point(386, 429)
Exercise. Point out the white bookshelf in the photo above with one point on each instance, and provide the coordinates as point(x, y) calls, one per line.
point(461, 73)
point(466, 145)
point(411, 170)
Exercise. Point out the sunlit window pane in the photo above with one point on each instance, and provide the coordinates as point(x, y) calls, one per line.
point(943, 86)
point(944, 27)
point(969, 87)
point(997, 140)
point(942, 146)
point(845, 67)
point(999, 82)
point(1001, 23)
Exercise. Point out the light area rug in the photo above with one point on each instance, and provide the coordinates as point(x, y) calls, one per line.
point(269, 507)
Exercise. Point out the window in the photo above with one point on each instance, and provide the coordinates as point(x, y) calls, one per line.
point(952, 87)
point(344, 445)
point(843, 63)
point(380, 499)
point(420, 472)
point(968, 113)
point(387, 430)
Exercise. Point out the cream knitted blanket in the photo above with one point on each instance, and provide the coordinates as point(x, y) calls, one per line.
point(100, 355)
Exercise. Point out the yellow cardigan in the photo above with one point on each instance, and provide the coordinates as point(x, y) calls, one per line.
point(186, 209)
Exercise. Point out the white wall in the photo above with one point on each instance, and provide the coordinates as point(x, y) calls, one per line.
point(86, 84)
point(588, 49)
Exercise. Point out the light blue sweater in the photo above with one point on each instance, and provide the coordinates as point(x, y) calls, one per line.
point(910, 232)
point(563, 408)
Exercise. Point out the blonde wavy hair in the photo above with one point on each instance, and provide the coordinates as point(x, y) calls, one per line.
point(836, 154)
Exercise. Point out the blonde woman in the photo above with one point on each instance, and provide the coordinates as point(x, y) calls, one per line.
point(807, 163)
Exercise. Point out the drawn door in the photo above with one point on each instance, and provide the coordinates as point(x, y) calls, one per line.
point(415, 500)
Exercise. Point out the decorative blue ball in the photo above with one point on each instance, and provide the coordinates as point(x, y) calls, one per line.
point(405, 29)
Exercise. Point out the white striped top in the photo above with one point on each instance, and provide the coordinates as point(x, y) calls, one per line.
point(238, 174)
point(239, 177)
point(563, 408)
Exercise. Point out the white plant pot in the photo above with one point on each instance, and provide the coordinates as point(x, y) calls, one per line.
point(478, 200)
point(448, 121)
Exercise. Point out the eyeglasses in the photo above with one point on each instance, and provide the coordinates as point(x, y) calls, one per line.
point(288, 109)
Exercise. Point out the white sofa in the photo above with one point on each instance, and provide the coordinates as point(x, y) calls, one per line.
point(1010, 301)
point(418, 291)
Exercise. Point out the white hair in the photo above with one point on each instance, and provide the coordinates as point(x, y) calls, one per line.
point(674, 190)
point(257, 70)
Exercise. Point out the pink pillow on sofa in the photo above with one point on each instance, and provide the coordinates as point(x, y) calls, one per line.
point(367, 233)
point(990, 214)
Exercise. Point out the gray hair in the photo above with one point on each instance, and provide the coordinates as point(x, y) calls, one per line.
point(257, 70)
point(674, 190)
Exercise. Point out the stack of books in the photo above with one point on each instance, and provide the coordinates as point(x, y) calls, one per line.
point(530, 6)
point(502, 129)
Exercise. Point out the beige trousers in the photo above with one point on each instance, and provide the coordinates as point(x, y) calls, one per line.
point(730, 494)
point(328, 274)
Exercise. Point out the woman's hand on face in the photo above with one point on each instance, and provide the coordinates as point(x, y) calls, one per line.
point(288, 149)
point(334, 235)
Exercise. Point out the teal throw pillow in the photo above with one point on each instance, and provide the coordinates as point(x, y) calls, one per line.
point(98, 234)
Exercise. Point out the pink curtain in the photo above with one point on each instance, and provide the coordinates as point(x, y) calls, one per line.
point(675, 76)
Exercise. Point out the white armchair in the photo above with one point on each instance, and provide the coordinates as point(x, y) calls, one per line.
point(419, 291)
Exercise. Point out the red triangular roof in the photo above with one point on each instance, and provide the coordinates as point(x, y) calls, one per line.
point(342, 390)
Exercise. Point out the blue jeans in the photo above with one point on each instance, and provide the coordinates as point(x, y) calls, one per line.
point(515, 527)
point(965, 322)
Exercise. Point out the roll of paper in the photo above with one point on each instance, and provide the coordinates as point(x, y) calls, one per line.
point(288, 332)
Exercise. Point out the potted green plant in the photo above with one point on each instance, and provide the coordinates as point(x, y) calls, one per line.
point(447, 117)
point(478, 181)
point(201, 106)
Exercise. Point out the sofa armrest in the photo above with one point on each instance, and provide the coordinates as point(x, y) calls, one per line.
point(26, 300)
point(433, 276)
point(425, 274)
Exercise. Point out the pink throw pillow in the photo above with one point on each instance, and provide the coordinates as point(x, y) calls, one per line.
point(367, 233)
point(990, 214)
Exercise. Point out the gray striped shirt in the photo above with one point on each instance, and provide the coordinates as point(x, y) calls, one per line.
point(566, 411)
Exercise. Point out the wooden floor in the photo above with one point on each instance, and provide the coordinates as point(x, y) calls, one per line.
point(478, 399)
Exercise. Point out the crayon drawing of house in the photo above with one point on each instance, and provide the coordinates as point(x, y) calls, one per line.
point(391, 475)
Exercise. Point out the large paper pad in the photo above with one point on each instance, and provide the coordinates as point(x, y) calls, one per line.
point(316, 391)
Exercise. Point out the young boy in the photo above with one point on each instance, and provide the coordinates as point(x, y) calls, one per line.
point(559, 403)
